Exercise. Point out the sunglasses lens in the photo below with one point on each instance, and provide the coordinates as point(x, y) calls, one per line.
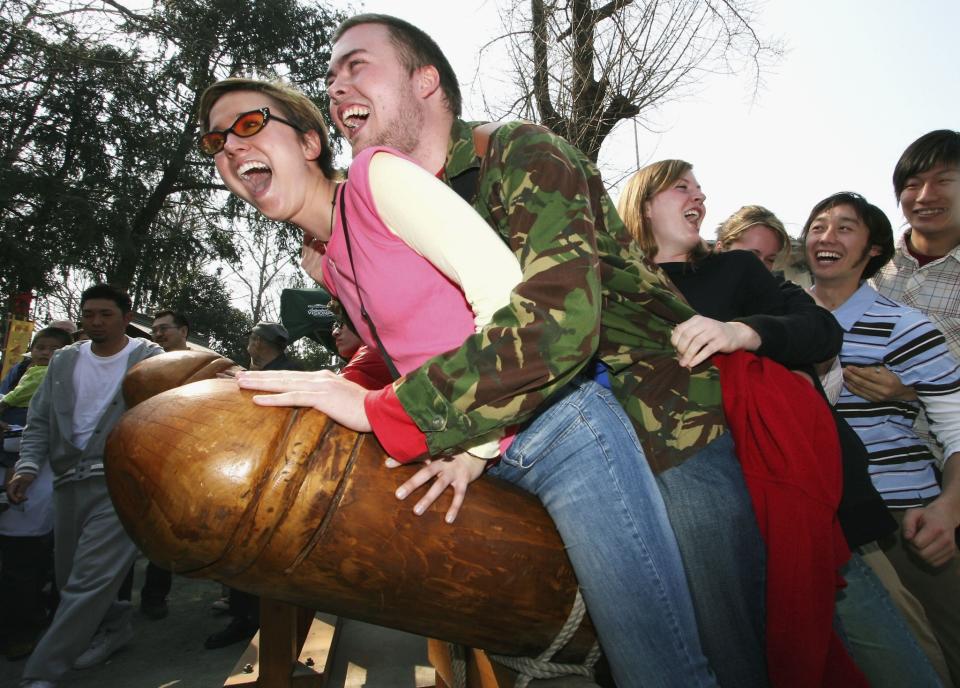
point(246, 125)
point(212, 142)
point(249, 124)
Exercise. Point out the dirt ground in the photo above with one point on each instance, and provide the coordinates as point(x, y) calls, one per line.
point(169, 653)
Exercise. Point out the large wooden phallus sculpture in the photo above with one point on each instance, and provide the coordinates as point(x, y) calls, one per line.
point(289, 505)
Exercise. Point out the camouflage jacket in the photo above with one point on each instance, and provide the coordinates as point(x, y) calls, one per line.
point(587, 291)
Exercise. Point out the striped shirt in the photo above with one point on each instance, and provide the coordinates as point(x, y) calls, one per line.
point(934, 290)
point(879, 331)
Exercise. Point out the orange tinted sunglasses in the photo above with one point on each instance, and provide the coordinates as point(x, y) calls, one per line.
point(246, 125)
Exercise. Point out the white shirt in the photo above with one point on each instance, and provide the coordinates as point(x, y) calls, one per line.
point(96, 380)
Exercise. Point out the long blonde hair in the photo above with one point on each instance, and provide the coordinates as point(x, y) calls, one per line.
point(646, 183)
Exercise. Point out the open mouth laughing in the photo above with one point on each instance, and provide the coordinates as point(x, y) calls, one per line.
point(826, 257)
point(694, 216)
point(927, 214)
point(354, 116)
point(255, 174)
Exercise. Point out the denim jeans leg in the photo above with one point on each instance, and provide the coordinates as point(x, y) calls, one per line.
point(877, 635)
point(724, 557)
point(581, 457)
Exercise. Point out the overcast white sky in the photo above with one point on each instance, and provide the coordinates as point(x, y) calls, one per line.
point(859, 81)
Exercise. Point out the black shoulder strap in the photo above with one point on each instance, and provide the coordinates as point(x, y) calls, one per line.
point(363, 311)
point(465, 183)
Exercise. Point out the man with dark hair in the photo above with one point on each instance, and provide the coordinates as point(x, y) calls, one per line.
point(925, 270)
point(415, 49)
point(587, 296)
point(844, 239)
point(347, 341)
point(364, 365)
point(77, 405)
point(170, 330)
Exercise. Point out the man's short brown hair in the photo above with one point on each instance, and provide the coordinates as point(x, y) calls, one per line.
point(416, 50)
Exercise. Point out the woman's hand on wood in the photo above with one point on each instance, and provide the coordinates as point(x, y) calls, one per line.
point(340, 399)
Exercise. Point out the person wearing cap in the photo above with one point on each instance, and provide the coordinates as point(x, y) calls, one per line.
point(266, 346)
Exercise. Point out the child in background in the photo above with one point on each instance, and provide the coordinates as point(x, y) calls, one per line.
point(44, 344)
point(14, 403)
point(26, 531)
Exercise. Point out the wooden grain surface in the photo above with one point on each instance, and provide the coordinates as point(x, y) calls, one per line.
point(287, 504)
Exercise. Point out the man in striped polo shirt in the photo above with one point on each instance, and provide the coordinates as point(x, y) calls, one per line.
point(847, 240)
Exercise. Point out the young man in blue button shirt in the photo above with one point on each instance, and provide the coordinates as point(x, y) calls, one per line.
point(847, 240)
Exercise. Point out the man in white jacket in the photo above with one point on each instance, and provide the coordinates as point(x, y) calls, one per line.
point(70, 417)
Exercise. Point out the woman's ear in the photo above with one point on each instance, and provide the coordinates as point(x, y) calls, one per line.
point(312, 145)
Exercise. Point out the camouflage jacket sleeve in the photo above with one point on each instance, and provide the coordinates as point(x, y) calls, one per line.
point(676, 411)
point(533, 190)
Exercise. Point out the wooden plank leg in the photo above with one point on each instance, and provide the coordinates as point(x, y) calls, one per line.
point(481, 672)
point(271, 658)
point(316, 653)
point(278, 646)
point(438, 654)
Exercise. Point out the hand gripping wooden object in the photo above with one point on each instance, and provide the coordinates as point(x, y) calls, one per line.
point(289, 505)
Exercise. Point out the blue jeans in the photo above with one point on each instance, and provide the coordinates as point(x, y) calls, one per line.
point(878, 637)
point(725, 560)
point(581, 457)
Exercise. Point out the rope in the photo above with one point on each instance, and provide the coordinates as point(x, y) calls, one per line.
point(541, 667)
point(458, 665)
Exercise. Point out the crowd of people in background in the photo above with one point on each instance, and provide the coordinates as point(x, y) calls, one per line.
point(766, 440)
point(66, 565)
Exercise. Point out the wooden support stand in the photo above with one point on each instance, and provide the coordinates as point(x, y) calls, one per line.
point(481, 672)
point(292, 650)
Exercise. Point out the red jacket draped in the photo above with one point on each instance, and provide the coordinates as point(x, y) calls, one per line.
point(787, 444)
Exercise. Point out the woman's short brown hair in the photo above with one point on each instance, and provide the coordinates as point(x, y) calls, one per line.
point(646, 183)
point(294, 105)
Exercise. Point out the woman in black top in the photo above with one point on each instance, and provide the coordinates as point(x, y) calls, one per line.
point(742, 305)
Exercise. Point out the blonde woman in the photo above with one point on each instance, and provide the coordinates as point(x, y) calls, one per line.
point(754, 228)
point(741, 305)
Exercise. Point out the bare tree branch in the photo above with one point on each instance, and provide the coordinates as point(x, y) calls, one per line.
point(581, 67)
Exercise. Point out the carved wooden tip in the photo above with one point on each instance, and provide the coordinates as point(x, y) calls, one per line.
point(174, 369)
